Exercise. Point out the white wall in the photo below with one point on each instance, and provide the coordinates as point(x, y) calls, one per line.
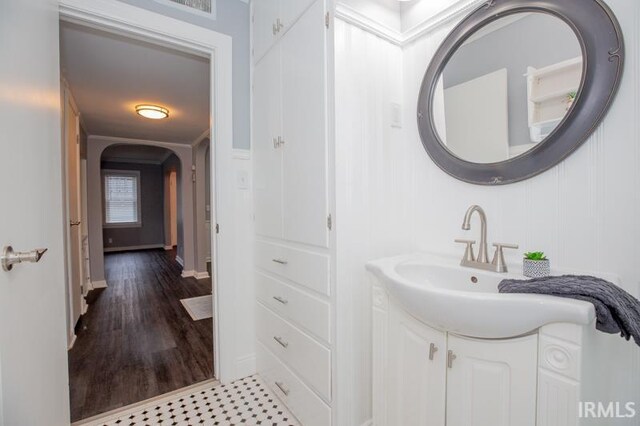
point(392, 199)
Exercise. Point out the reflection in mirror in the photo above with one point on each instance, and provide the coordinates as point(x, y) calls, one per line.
point(507, 87)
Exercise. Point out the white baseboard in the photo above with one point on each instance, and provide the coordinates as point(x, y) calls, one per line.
point(99, 284)
point(180, 261)
point(201, 275)
point(246, 365)
point(187, 274)
point(73, 341)
point(168, 248)
point(129, 248)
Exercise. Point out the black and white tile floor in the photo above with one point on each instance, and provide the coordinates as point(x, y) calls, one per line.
point(244, 402)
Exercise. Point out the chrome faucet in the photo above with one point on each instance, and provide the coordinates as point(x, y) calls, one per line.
point(482, 261)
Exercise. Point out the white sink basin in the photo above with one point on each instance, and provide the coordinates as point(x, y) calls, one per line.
point(444, 295)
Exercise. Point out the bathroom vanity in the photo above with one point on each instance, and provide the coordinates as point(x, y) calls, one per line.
point(448, 349)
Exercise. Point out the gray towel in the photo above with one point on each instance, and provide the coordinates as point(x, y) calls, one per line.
point(616, 310)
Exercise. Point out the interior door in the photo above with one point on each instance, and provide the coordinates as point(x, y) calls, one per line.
point(492, 382)
point(304, 128)
point(33, 362)
point(74, 213)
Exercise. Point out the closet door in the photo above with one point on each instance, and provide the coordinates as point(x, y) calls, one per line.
point(267, 153)
point(304, 129)
point(492, 382)
point(290, 10)
point(265, 14)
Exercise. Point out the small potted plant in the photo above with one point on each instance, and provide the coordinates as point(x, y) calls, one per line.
point(571, 96)
point(535, 264)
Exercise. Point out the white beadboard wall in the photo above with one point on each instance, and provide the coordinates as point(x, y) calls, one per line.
point(391, 199)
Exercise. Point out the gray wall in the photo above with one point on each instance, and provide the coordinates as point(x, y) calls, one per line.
point(233, 19)
point(152, 197)
point(537, 40)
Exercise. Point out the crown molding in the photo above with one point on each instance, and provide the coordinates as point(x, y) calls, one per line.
point(456, 11)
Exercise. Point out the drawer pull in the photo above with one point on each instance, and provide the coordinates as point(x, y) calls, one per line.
point(280, 341)
point(280, 261)
point(283, 388)
point(281, 300)
point(450, 357)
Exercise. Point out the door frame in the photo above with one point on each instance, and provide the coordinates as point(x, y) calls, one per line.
point(134, 22)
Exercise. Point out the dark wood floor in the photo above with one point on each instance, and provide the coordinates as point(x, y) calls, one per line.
point(137, 341)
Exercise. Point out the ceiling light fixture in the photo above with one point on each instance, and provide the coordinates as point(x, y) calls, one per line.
point(153, 112)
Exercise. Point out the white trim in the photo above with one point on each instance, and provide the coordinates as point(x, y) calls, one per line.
point(134, 160)
point(188, 274)
point(245, 365)
point(132, 248)
point(368, 423)
point(241, 154)
point(103, 418)
point(201, 275)
point(200, 138)
point(180, 261)
point(167, 248)
point(131, 141)
point(457, 10)
point(122, 18)
point(98, 284)
point(73, 341)
point(354, 17)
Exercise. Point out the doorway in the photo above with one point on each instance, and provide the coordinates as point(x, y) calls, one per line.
point(139, 337)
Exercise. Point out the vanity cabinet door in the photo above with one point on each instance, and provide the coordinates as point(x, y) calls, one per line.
point(290, 10)
point(265, 15)
point(417, 372)
point(267, 155)
point(304, 127)
point(492, 382)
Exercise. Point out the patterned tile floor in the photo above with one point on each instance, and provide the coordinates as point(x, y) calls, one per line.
point(244, 402)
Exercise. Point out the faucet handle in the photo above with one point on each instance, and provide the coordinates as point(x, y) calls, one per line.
point(468, 251)
point(498, 257)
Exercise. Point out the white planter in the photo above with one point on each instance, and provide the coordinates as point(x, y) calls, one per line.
point(536, 268)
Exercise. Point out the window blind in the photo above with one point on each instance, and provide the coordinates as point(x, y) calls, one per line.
point(121, 199)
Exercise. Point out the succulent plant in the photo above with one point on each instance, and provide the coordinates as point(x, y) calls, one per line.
point(535, 255)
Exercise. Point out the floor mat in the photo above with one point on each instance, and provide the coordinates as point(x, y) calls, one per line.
point(199, 308)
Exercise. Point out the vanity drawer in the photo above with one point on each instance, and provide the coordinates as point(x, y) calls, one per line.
point(306, 268)
point(308, 358)
point(301, 401)
point(303, 309)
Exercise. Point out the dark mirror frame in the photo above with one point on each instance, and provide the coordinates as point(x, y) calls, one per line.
point(600, 37)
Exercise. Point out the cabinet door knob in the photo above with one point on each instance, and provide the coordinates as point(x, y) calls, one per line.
point(432, 351)
point(450, 357)
point(281, 341)
point(283, 388)
point(281, 299)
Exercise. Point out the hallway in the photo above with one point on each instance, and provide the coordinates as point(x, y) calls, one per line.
point(137, 341)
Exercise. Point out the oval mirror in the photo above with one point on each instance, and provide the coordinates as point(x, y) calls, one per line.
point(517, 86)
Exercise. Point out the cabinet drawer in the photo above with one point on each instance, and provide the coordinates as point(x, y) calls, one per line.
point(308, 358)
point(310, 312)
point(306, 268)
point(301, 401)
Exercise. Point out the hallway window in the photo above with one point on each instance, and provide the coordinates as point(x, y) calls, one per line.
point(121, 198)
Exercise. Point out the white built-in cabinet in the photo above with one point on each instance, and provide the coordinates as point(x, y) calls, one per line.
point(427, 377)
point(290, 133)
point(290, 152)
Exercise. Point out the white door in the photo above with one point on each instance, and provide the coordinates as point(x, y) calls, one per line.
point(290, 10)
point(267, 149)
point(33, 362)
point(265, 15)
point(417, 362)
point(74, 213)
point(304, 128)
point(492, 382)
